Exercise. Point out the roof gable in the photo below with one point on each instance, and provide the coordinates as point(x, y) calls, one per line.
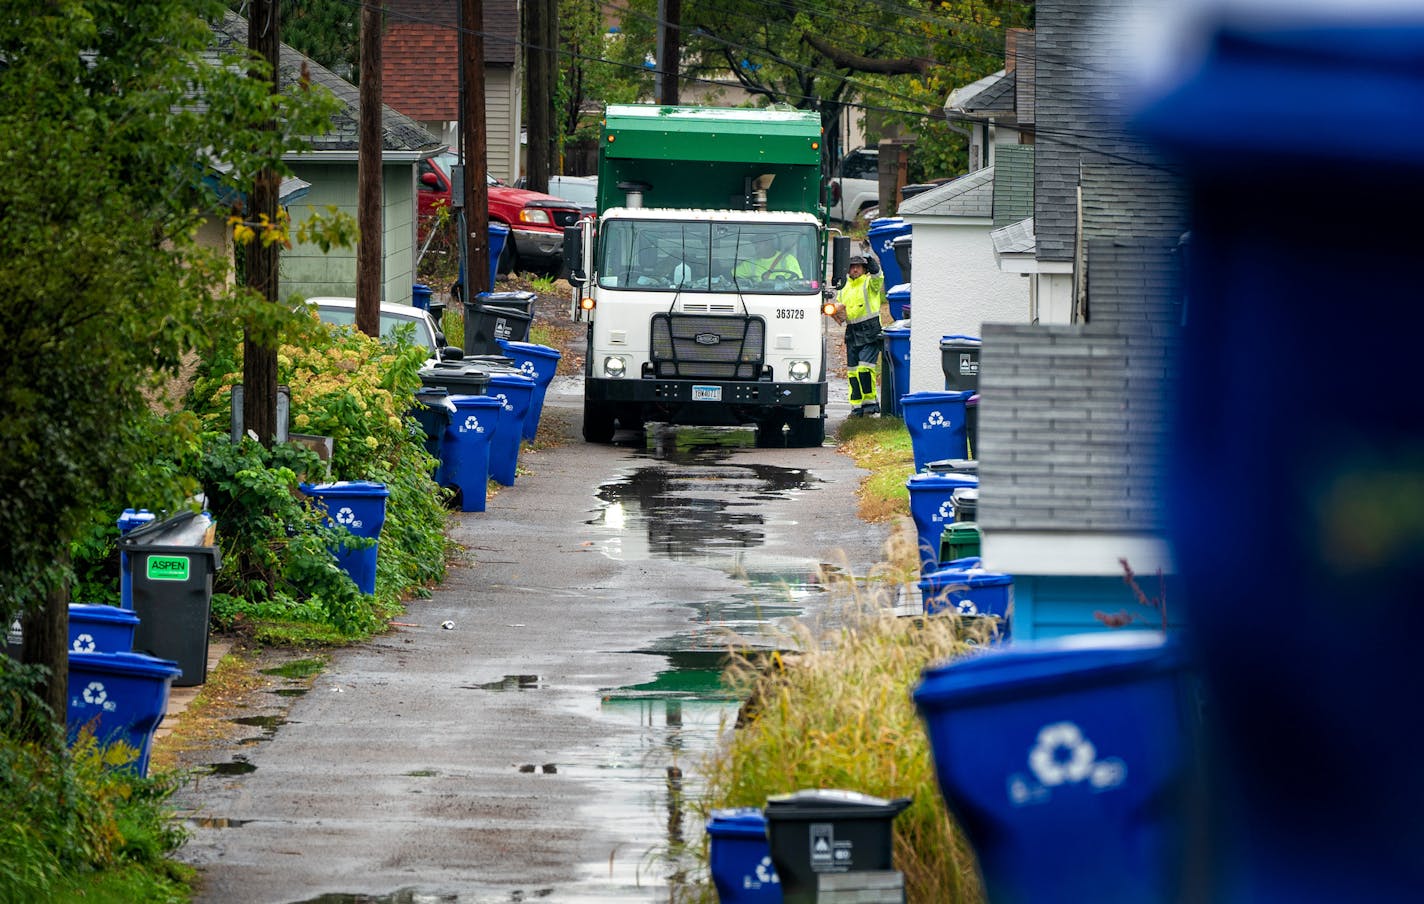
point(420, 53)
point(399, 133)
point(971, 195)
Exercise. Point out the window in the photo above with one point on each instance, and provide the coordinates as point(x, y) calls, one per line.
point(708, 257)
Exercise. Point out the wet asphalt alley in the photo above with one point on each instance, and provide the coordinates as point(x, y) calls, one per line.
point(547, 744)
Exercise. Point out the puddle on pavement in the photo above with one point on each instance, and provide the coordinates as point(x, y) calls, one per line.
point(508, 683)
point(238, 766)
point(410, 896)
point(297, 668)
point(290, 691)
point(217, 822)
point(698, 502)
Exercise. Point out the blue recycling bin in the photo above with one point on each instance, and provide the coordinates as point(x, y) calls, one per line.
point(1274, 597)
point(515, 393)
point(931, 508)
point(936, 422)
point(538, 362)
point(359, 506)
point(120, 697)
point(420, 295)
point(1069, 765)
point(433, 411)
point(101, 629)
point(971, 592)
point(895, 368)
point(740, 857)
point(127, 521)
point(465, 448)
point(898, 298)
point(881, 235)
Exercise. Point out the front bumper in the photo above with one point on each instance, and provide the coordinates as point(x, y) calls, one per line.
point(679, 392)
point(536, 245)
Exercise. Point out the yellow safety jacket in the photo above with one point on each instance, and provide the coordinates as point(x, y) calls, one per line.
point(863, 297)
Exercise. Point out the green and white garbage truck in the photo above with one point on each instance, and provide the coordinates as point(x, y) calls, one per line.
point(703, 274)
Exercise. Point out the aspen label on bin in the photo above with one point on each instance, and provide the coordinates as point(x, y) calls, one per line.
point(168, 568)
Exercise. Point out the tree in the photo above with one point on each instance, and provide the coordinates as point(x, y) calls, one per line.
point(106, 288)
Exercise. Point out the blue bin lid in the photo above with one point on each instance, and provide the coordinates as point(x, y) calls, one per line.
point(93, 612)
point(898, 292)
point(1060, 663)
point(135, 664)
point(530, 348)
point(345, 488)
point(931, 480)
point(511, 380)
point(973, 577)
point(932, 396)
point(897, 332)
point(131, 519)
point(474, 401)
point(963, 564)
point(739, 822)
point(887, 224)
point(499, 228)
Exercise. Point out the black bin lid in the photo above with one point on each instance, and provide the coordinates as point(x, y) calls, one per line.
point(830, 803)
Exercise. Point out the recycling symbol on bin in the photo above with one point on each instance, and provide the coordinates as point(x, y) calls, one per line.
point(967, 607)
point(504, 400)
point(471, 425)
point(945, 513)
point(527, 368)
point(95, 695)
point(84, 643)
point(766, 873)
point(1063, 755)
point(346, 517)
point(936, 419)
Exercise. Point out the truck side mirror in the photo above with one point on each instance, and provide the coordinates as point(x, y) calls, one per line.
point(840, 260)
point(573, 255)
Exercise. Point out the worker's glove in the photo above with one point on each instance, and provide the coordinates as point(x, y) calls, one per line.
point(872, 264)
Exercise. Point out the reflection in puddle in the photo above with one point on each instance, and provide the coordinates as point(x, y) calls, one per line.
point(238, 766)
point(290, 691)
point(410, 896)
point(509, 683)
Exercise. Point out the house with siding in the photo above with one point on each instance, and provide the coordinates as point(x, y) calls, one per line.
point(420, 74)
point(329, 168)
point(1073, 417)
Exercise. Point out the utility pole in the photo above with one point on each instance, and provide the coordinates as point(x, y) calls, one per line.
point(476, 163)
point(669, 49)
point(259, 360)
point(368, 174)
point(539, 77)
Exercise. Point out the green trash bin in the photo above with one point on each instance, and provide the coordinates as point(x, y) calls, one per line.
point(172, 562)
point(958, 541)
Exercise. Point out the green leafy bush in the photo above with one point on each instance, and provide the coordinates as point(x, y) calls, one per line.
point(66, 815)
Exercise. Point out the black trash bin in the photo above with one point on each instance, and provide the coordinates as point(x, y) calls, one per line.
point(491, 316)
point(172, 562)
point(433, 411)
point(826, 831)
point(959, 359)
point(463, 377)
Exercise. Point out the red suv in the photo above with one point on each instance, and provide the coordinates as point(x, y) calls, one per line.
point(536, 221)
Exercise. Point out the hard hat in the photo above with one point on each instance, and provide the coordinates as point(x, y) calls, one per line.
point(857, 259)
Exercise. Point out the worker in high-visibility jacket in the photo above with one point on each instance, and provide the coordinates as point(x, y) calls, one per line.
point(858, 307)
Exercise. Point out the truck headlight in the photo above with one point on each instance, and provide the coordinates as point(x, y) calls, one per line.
point(614, 366)
point(533, 215)
point(800, 370)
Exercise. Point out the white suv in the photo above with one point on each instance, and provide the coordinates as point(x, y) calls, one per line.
point(855, 188)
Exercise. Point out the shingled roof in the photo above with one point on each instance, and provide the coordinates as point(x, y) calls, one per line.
point(420, 53)
point(971, 195)
point(1013, 184)
point(401, 137)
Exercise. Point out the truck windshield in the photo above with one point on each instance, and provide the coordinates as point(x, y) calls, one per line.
point(700, 256)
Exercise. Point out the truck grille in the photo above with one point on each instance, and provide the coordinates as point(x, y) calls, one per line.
point(694, 347)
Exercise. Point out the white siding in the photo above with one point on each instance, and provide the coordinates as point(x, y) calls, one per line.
point(502, 124)
point(957, 288)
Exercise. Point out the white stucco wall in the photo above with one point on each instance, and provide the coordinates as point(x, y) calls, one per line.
point(956, 288)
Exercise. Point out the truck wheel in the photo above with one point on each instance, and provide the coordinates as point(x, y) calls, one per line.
point(597, 423)
point(806, 432)
point(769, 435)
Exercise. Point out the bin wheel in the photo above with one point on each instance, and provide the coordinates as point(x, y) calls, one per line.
point(597, 423)
point(806, 432)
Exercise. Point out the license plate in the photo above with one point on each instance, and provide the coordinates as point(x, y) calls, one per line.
point(706, 393)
